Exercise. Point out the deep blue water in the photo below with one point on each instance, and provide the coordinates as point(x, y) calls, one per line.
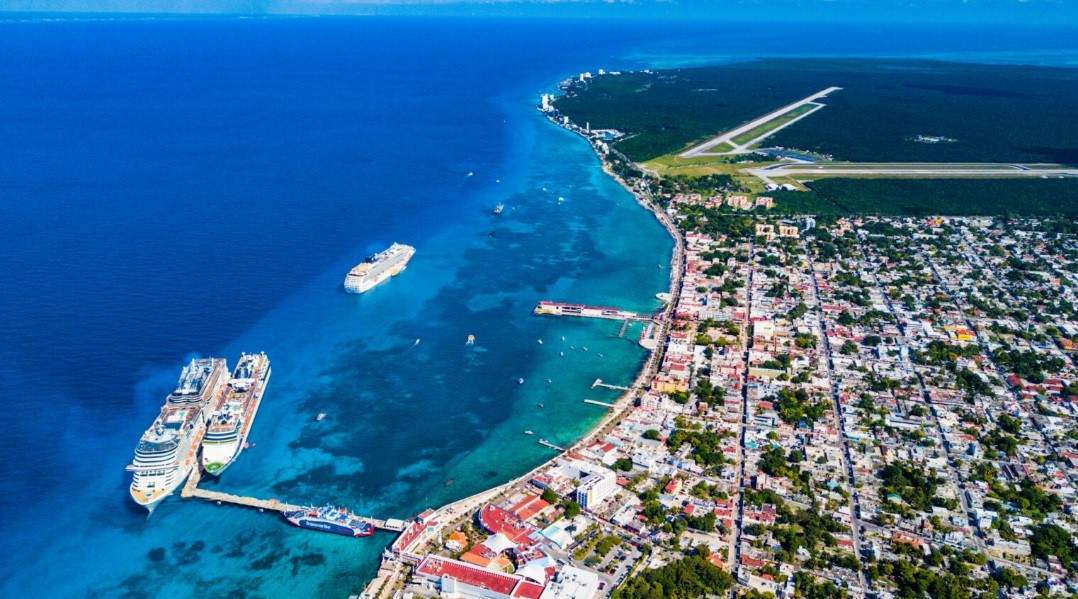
point(191, 187)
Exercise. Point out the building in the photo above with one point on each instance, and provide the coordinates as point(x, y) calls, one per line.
point(572, 583)
point(596, 484)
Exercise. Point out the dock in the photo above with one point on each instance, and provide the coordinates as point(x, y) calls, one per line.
point(549, 308)
point(600, 403)
point(191, 491)
point(600, 383)
point(546, 443)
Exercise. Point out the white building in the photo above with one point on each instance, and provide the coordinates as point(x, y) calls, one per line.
point(596, 484)
point(572, 583)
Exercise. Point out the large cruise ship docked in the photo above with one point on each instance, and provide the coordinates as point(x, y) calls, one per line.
point(167, 450)
point(231, 420)
point(378, 268)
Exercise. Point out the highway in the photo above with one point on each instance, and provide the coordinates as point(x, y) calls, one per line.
point(728, 137)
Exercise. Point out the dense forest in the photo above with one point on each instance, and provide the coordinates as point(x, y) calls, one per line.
point(986, 113)
point(919, 197)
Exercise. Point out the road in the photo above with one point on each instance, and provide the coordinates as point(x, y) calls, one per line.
point(728, 137)
point(858, 527)
point(912, 169)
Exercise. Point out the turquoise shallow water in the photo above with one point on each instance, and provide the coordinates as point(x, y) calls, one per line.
point(201, 186)
point(235, 209)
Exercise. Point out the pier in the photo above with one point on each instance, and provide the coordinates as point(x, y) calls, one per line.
point(546, 443)
point(191, 491)
point(600, 403)
point(550, 308)
point(600, 383)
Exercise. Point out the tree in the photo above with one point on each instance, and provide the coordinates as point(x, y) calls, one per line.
point(651, 434)
point(550, 496)
point(623, 464)
point(1050, 539)
point(692, 576)
point(572, 508)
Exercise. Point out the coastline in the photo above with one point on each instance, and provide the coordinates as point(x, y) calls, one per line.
point(392, 571)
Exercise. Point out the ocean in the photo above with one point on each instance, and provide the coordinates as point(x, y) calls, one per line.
point(173, 188)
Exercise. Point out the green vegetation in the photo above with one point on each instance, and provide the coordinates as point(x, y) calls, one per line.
point(883, 106)
point(1049, 539)
point(773, 124)
point(920, 197)
point(916, 488)
point(687, 578)
point(795, 406)
point(550, 496)
point(706, 447)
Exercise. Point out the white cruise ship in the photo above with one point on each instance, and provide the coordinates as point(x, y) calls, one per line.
point(230, 423)
point(378, 268)
point(167, 450)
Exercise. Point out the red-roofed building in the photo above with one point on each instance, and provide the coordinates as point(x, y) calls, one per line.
point(498, 520)
point(456, 574)
point(528, 507)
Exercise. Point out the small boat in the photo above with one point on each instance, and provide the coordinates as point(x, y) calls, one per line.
point(548, 381)
point(497, 180)
point(320, 417)
point(563, 337)
point(541, 405)
point(585, 349)
point(499, 208)
point(470, 341)
point(561, 353)
point(540, 341)
point(560, 199)
point(659, 266)
point(520, 381)
point(417, 340)
point(528, 433)
point(470, 174)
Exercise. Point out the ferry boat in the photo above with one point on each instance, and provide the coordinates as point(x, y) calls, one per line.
point(167, 451)
point(378, 267)
point(330, 519)
point(230, 423)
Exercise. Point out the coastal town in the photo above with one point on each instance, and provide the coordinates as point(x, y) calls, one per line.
point(831, 407)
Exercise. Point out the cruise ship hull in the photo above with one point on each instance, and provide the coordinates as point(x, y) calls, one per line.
point(151, 500)
point(217, 457)
point(368, 284)
point(378, 268)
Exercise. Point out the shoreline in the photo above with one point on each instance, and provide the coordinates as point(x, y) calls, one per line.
point(394, 561)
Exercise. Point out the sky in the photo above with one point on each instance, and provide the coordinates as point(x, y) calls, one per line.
point(993, 11)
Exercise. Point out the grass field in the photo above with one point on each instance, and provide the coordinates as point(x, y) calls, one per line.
point(764, 128)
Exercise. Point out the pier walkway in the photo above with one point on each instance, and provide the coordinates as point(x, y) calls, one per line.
point(546, 443)
point(600, 383)
point(191, 491)
point(600, 403)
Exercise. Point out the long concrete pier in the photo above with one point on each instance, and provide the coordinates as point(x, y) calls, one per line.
point(600, 383)
point(191, 491)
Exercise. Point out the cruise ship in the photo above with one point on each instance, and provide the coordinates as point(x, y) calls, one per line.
point(167, 450)
point(330, 519)
point(231, 420)
point(378, 268)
